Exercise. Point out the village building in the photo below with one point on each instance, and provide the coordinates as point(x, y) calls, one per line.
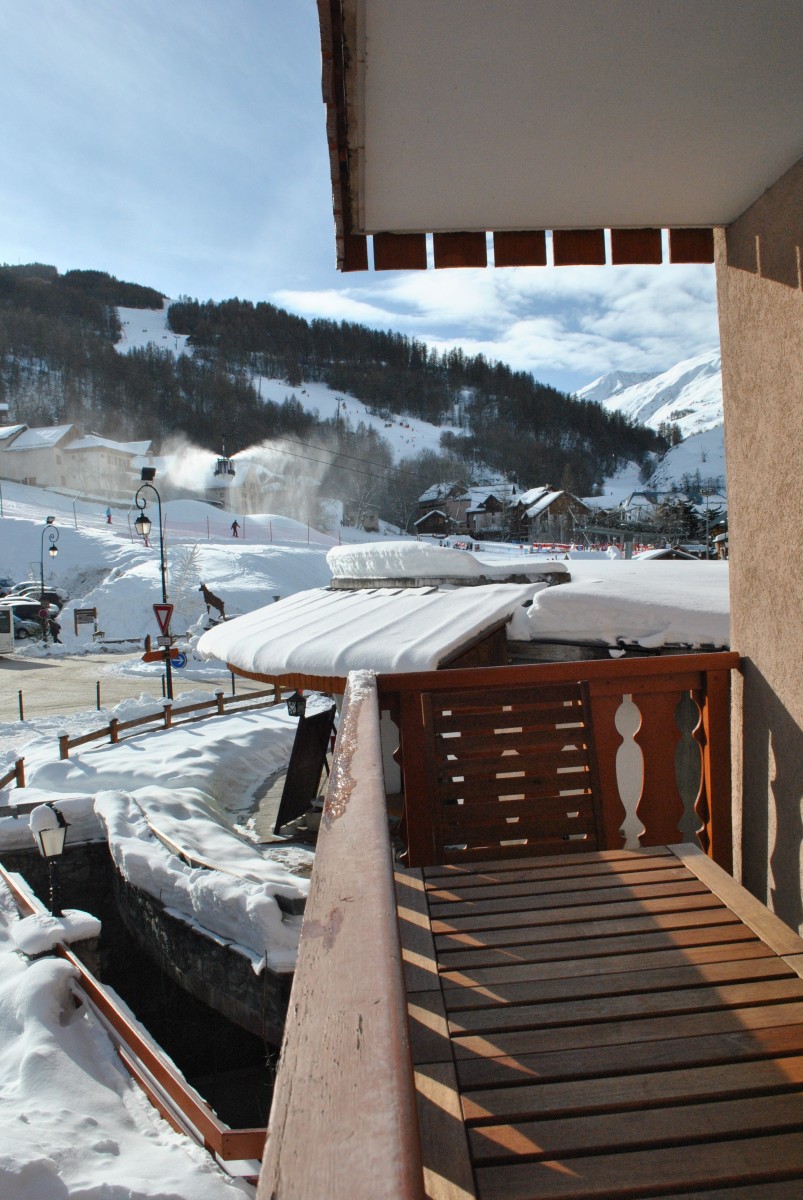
point(60, 456)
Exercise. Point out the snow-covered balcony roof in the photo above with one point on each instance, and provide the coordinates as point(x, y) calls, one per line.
point(325, 633)
point(640, 603)
point(400, 606)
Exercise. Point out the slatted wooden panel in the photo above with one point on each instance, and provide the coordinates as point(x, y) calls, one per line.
point(511, 771)
point(637, 1034)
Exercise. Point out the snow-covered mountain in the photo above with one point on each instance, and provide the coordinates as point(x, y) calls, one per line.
point(688, 395)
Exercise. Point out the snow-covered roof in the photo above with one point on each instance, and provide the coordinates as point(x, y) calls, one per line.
point(649, 604)
point(93, 441)
point(433, 512)
point(328, 633)
point(542, 504)
point(10, 431)
point(478, 496)
point(436, 491)
point(525, 499)
point(40, 439)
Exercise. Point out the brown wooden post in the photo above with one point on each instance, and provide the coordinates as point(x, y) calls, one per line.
point(168, 715)
point(417, 815)
point(19, 772)
point(64, 745)
point(607, 739)
point(113, 723)
point(147, 643)
point(220, 704)
point(714, 734)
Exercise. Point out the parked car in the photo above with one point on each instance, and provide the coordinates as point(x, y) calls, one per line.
point(25, 629)
point(53, 595)
point(6, 585)
point(27, 609)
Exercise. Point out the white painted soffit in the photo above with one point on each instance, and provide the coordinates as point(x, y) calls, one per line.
point(479, 115)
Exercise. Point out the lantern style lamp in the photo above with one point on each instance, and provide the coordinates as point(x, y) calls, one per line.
point(143, 526)
point(296, 704)
point(49, 828)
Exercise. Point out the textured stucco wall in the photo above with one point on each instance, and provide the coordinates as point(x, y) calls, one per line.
point(758, 261)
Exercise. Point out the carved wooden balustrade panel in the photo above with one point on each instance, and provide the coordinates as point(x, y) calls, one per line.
point(658, 730)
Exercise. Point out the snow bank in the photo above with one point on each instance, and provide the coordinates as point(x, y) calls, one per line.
point(238, 910)
point(41, 932)
point(73, 1125)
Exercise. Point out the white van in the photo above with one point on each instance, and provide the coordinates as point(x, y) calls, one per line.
point(6, 631)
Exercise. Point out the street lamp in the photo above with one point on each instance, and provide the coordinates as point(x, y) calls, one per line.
point(143, 527)
point(49, 829)
point(52, 536)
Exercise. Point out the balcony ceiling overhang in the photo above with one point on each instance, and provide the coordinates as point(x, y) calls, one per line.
point(525, 115)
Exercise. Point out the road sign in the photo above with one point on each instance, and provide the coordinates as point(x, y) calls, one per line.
point(163, 613)
point(177, 659)
point(165, 640)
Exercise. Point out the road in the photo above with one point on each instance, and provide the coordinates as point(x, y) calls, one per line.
point(69, 683)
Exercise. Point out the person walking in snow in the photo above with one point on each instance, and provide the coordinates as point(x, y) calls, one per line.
point(235, 528)
point(108, 516)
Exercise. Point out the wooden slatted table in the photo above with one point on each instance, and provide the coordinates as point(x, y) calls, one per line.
point(614, 1024)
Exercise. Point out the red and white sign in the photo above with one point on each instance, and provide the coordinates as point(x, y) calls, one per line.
point(163, 613)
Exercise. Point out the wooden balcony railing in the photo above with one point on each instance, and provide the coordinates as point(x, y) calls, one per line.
point(343, 1120)
point(661, 727)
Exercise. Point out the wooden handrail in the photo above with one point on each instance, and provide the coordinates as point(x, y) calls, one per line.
point(656, 686)
point(167, 718)
point(345, 1061)
point(168, 1091)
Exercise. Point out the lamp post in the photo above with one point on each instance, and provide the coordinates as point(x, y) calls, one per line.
point(52, 536)
point(143, 528)
point(49, 829)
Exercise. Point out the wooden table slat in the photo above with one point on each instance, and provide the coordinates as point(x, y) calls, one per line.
point(536, 887)
point(631, 1092)
point(647, 1172)
point(505, 972)
point(589, 1062)
point(569, 988)
point(611, 1132)
point(536, 902)
point(578, 912)
point(627, 1032)
point(569, 862)
point(607, 951)
point(612, 1008)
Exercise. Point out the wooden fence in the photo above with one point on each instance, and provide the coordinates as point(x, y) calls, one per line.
point(167, 718)
point(164, 720)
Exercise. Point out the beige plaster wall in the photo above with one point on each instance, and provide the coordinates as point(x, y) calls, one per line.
point(758, 261)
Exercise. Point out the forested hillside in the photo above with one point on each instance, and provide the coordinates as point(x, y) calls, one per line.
point(510, 421)
point(58, 363)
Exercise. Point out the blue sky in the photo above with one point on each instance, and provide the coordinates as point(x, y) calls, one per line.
point(182, 145)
